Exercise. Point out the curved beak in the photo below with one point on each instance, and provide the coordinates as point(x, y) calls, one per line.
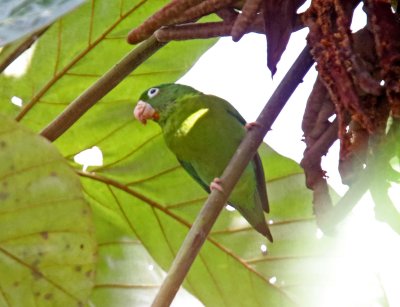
point(144, 111)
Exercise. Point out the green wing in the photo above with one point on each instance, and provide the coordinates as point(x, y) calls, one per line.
point(258, 168)
point(192, 172)
point(230, 109)
point(261, 187)
point(256, 163)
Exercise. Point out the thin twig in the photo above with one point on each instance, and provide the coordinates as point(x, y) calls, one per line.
point(203, 30)
point(169, 12)
point(194, 31)
point(20, 47)
point(99, 89)
point(245, 19)
point(216, 200)
point(203, 8)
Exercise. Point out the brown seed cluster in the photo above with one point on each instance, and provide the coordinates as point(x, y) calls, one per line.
point(181, 20)
point(357, 83)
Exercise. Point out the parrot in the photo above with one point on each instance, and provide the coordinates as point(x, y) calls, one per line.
point(203, 132)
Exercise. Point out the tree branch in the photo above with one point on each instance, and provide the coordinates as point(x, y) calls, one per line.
point(17, 48)
point(216, 200)
point(99, 89)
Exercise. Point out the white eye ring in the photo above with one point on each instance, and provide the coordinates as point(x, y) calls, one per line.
point(153, 92)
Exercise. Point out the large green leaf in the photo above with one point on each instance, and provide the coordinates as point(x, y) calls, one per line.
point(147, 193)
point(18, 18)
point(47, 246)
point(126, 274)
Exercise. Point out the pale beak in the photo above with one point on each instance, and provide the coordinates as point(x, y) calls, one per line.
point(144, 111)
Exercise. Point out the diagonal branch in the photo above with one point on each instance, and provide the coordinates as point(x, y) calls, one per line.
point(100, 88)
point(215, 202)
point(14, 50)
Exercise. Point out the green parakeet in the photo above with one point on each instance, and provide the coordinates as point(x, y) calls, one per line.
point(203, 132)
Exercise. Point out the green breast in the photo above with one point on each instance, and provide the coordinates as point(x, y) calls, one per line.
point(202, 133)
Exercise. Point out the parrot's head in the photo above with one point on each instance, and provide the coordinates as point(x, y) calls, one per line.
point(155, 102)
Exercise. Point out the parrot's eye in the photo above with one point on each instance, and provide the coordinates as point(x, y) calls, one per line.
point(153, 92)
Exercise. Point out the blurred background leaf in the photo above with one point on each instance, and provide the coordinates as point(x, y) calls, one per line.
point(126, 274)
point(21, 17)
point(47, 244)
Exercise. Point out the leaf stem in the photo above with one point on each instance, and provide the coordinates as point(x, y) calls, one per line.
point(216, 200)
point(100, 88)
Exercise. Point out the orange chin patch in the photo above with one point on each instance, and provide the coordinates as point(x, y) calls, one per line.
point(156, 116)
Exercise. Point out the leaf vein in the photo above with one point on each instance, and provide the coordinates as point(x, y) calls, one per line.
point(149, 140)
point(39, 273)
point(152, 203)
point(27, 169)
point(27, 107)
point(219, 291)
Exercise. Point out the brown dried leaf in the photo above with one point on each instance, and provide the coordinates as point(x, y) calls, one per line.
point(280, 20)
point(319, 135)
point(318, 110)
point(385, 26)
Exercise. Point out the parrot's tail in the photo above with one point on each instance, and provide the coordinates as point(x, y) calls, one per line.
point(264, 230)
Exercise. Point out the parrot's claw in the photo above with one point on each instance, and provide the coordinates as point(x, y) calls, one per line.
point(248, 126)
point(216, 185)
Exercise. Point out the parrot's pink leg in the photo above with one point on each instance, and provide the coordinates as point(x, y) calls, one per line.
point(216, 185)
point(248, 126)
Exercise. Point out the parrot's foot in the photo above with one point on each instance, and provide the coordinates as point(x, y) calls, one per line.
point(216, 185)
point(248, 126)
